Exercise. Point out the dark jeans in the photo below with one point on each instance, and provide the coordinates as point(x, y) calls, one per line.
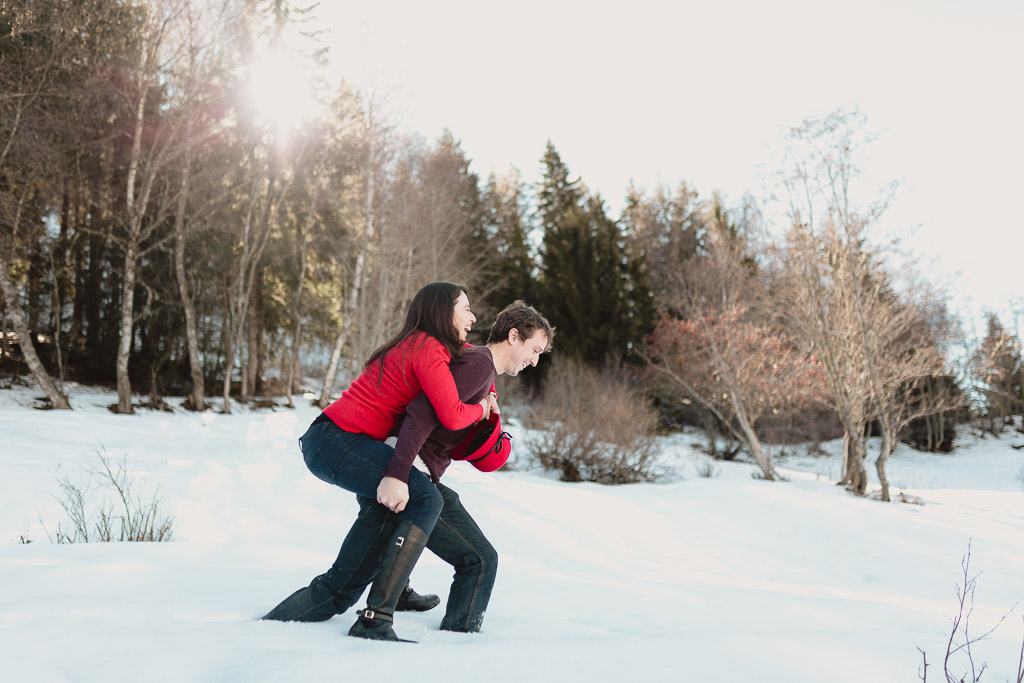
point(339, 587)
point(456, 539)
point(356, 463)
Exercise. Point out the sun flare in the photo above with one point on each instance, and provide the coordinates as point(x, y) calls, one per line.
point(280, 90)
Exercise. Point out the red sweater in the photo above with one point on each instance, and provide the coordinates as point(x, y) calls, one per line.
point(372, 403)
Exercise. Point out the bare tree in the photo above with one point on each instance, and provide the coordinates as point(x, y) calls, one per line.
point(44, 42)
point(722, 356)
point(197, 31)
point(812, 304)
point(819, 294)
point(58, 399)
point(833, 289)
point(264, 192)
point(156, 146)
point(909, 357)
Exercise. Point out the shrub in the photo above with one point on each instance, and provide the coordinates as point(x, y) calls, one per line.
point(594, 427)
point(122, 515)
point(959, 655)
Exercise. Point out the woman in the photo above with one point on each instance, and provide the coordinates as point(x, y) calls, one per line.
point(345, 446)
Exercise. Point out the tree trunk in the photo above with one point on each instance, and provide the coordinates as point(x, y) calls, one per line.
point(254, 326)
point(229, 349)
point(332, 366)
point(883, 457)
point(757, 450)
point(229, 368)
point(292, 361)
point(34, 287)
point(301, 250)
point(249, 269)
point(78, 268)
point(753, 442)
point(243, 366)
point(197, 397)
point(134, 210)
point(92, 295)
point(854, 475)
point(57, 398)
point(124, 344)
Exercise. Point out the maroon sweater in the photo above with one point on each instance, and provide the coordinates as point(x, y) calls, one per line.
point(421, 433)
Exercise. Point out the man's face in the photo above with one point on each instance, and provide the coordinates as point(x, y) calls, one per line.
point(525, 352)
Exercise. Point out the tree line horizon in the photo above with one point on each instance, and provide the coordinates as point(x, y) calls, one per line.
point(159, 234)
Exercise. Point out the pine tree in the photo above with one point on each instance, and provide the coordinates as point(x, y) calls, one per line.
point(999, 372)
point(588, 286)
point(504, 234)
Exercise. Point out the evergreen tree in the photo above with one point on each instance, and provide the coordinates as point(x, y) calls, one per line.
point(664, 231)
point(588, 287)
point(999, 372)
point(509, 273)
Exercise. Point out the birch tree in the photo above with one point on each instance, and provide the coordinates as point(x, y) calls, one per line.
point(156, 145)
point(202, 62)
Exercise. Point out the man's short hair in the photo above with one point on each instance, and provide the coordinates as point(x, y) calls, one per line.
point(522, 317)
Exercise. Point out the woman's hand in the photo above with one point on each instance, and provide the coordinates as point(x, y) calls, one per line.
point(393, 494)
point(486, 405)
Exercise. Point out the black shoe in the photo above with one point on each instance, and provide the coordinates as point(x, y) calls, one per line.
point(411, 601)
point(375, 626)
point(396, 565)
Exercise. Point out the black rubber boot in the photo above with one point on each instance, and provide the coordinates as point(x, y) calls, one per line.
point(340, 587)
point(312, 603)
point(396, 565)
point(411, 601)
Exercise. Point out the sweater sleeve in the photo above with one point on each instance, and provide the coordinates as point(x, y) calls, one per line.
point(421, 419)
point(435, 377)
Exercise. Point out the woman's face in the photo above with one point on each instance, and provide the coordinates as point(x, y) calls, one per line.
point(464, 317)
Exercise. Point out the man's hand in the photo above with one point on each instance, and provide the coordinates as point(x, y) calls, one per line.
point(393, 494)
point(492, 403)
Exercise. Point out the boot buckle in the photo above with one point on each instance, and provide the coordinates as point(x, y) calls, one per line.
point(367, 614)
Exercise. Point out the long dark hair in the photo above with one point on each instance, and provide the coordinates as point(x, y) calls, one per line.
point(432, 311)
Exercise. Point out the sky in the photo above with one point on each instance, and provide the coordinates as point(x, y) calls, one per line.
point(656, 93)
point(724, 577)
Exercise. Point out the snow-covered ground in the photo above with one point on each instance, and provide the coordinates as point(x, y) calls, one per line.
point(721, 578)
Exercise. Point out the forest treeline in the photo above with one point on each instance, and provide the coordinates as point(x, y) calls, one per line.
point(160, 232)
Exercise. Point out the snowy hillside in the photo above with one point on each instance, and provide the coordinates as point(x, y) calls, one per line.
point(726, 578)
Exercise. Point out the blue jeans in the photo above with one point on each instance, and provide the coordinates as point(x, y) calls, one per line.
point(357, 462)
point(339, 587)
point(456, 539)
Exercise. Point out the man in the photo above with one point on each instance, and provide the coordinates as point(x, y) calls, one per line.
point(516, 339)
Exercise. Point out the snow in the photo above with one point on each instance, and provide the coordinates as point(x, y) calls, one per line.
point(721, 578)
